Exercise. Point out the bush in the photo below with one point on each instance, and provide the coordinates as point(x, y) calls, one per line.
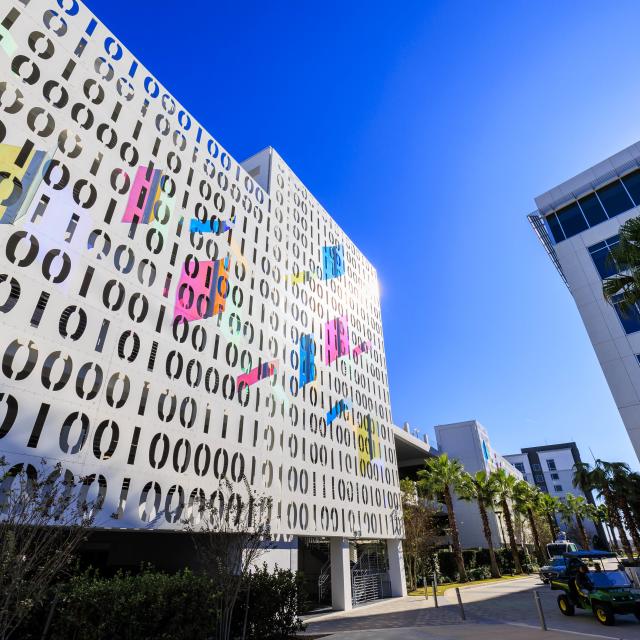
point(276, 600)
point(479, 573)
point(447, 563)
point(483, 559)
point(469, 557)
point(149, 606)
point(160, 606)
point(505, 559)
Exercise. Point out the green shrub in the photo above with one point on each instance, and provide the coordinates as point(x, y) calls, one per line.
point(483, 559)
point(149, 606)
point(505, 559)
point(276, 600)
point(469, 557)
point(479, 573)
point(447, 563)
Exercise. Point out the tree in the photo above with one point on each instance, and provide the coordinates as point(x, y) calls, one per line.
point(623, 288)
point(577, 507)
point(600, 515)
point(633, 495)
point(420, 532)
point(618, 473)
point(599, 478)
point(506, 486)
point(437, 480)
point(44, 516)
point(548, 506)
point(526, 500)
point(482, 489)
point(230, 533)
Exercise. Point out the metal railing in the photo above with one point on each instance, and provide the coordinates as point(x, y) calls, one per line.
point(324, 582)
point(370, 578)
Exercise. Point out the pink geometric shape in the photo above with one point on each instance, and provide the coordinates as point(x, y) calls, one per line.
point(258, 373)
point(336, 339)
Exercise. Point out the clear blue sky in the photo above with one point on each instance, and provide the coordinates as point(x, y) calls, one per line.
point(426, 129)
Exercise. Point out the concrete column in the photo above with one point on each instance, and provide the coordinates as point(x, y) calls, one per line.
point(340, 575)
point(396, 568)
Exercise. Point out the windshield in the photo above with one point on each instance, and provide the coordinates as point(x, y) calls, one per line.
point(609, 579)
point(558, 548)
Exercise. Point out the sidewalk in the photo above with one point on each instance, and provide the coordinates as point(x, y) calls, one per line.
point(497, 611)
point(470, 631)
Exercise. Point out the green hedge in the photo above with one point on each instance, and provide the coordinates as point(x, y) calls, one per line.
point(478, 562)
point(275, 601)
point(148, 606)
point(153, 605)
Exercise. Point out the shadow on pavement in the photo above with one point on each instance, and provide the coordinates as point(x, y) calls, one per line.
point(494, 608)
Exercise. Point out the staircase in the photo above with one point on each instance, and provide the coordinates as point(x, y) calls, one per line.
point(324, 583)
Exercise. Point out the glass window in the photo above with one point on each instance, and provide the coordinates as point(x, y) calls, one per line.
point(551, 464)
point(536, 467)
point(592, 209)
point(519, 466)
point(632, 182)
point(600, 256)
point(555, 476)
point(554, 225)
point(572, 220)
point(630, 320)
point(615, 199)
point(557, 488)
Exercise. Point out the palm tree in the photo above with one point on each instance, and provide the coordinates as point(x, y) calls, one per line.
point(633, 495)
point(548, 506)
point(576, 507)
point(619, 476)
point(526, 499)
point(506, 486)
point(623, 288)
point(436, 481)
point(599, 479)
point(600, 514)
point(482, 489)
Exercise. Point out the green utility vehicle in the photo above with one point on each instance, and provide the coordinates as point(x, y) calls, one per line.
point(606, 592)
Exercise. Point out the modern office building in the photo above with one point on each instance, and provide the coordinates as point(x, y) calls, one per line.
point(550, 468)
point(469, 443)
point(172, 319)
point(578, 222)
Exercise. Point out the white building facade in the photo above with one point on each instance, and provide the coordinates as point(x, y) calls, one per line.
point(469, 443)
point(550, 468)
point(171, 318)
point(578, 223)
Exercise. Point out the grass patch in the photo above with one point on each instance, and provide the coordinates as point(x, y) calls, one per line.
point(441, 588)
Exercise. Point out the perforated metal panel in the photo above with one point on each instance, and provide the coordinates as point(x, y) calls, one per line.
point(165, 321)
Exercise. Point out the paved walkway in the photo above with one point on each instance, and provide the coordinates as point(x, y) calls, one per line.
point(497, 611)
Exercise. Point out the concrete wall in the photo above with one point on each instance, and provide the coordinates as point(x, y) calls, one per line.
point(469, 443)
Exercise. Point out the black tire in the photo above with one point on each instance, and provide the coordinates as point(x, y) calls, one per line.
point(636, 613)
point(604, 614)
point(565, 605)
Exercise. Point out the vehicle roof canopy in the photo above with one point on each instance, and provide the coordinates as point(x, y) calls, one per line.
point(589, 554)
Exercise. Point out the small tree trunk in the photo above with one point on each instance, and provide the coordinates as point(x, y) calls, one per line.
point(536, 536)
point(614, 519)
point(495, 570)
point(512, 536)
point(455, 537)
point(583, 533)
point(553, 527)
